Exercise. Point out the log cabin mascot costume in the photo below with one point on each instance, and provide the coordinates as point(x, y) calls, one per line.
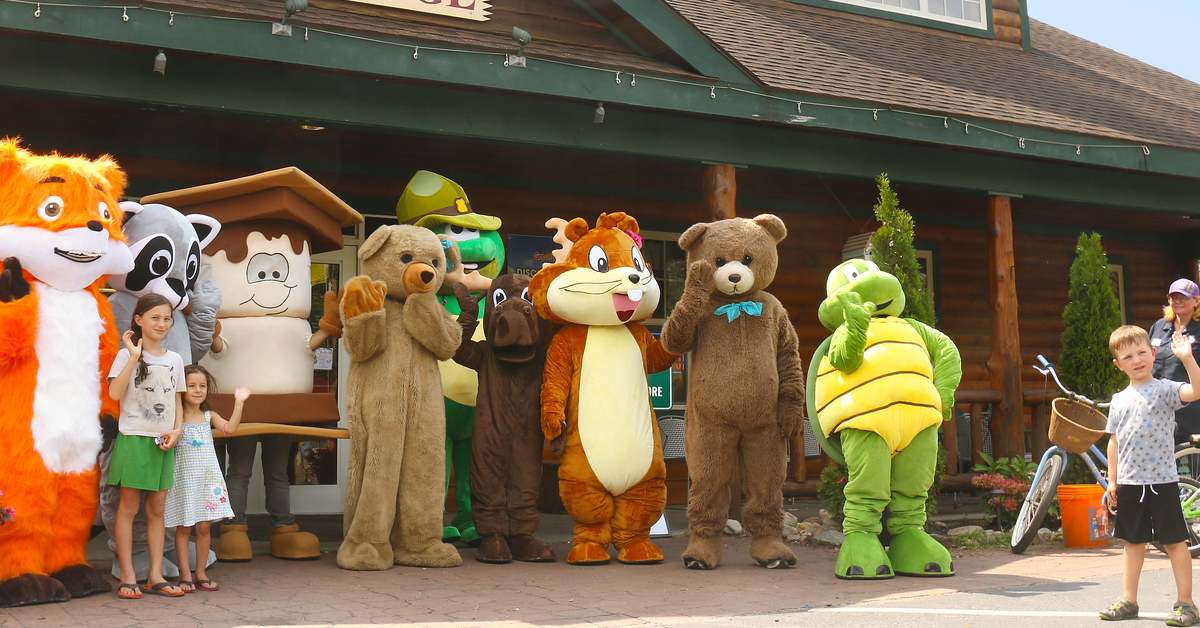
point(880, 387)
point(166, 248)
point(595, 399)
point(60, 236)
point(746, 398)
point(272, 223)
point(441, 205)
point(395, 331)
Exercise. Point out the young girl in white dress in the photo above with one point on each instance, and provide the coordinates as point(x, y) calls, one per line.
point(199, 495)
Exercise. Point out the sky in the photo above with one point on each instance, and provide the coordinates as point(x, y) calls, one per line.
point(1163, 33)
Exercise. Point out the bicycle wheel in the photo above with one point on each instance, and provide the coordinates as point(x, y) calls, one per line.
point(1187, 461)
point(1033, 511)
point(1189, 501)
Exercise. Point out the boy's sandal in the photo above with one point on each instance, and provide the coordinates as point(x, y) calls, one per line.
point(164, 589)
point(129, 592)
point(1121, 609)
point(1182, 615)
point(207, 585)
point(187, 586)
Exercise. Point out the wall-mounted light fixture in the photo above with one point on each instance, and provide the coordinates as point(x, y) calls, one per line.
point(160, 63)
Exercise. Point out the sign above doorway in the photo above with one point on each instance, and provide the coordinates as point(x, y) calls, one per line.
point(478, 10)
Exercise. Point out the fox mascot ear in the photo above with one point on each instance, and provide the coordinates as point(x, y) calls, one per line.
point(113, 174)
point(11, 156)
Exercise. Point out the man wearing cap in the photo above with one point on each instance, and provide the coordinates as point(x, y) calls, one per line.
point(441, 205)
point(1182, 311)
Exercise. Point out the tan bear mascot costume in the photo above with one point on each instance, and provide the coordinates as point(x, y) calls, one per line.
point(746, 391)
point(395, 333)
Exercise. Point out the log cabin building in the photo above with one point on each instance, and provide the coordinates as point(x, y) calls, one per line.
point(1004, 136)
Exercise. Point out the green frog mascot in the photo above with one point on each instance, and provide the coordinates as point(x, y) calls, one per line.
point(441, 205)
point(883, 384)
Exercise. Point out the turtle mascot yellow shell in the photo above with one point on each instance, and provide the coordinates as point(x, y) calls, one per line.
point(880, 388)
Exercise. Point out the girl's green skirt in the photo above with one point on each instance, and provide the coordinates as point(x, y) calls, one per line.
point(137, 462)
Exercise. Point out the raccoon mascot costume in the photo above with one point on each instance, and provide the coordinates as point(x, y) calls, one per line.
point(166, 249)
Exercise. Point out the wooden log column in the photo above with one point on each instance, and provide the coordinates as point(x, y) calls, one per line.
point(720, 191)
point(1004, 363)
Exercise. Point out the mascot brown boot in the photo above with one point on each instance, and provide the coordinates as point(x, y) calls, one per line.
point(494, 549)
point(289, 543)
point(530, 549)
point(234, 544)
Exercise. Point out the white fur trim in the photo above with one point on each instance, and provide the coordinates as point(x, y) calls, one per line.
point(66, 402)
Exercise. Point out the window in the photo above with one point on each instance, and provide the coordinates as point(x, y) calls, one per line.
point(971, 13)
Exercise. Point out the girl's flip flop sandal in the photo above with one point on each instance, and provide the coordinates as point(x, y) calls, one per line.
point(163, 589)
point(207, 585)
point(129, 592)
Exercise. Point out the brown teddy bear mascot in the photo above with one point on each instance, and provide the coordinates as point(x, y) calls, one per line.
point(506, 461)
point(395, 333)
point(746, 391)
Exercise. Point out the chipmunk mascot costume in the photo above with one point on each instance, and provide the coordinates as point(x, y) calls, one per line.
point(60, 235)
point(166, 248)
point(441, 205)
point(746, 397)
point(880, 387)
point(595, 399)
point(395, 331)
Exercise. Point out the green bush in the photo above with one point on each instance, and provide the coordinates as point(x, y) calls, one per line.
point(892, 249)
point(1091, 314)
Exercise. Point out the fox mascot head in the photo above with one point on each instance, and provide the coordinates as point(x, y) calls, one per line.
point(60, 218)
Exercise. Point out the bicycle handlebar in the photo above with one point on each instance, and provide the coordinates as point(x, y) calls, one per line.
point(1047, 368)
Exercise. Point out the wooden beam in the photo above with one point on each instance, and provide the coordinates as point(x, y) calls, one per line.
point(1004, 363)
point(720, 191)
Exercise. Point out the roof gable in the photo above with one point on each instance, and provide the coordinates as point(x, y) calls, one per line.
point(1063, 83)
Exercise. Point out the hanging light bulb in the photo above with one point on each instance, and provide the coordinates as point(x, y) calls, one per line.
point(598, 117)
point(160, 63)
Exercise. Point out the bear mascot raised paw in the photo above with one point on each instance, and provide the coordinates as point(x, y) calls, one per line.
point(746, 386)
point(879, 388)
point(395, 331)
point(60, 235)
point(595, 399)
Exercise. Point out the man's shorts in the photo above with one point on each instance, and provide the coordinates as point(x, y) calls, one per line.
point(1150, 512)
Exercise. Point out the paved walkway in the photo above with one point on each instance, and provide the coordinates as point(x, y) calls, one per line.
point(267, 591)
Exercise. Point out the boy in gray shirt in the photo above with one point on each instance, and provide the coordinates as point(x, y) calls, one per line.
point(1142, 479)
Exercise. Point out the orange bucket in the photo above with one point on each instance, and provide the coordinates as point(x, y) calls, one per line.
point(1083, 522)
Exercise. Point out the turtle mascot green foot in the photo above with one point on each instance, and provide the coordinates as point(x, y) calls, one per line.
point(880, 388)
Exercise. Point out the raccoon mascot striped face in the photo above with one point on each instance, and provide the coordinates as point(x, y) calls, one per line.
point(166, 249)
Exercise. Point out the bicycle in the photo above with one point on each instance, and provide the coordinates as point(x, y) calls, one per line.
point(1076, 424)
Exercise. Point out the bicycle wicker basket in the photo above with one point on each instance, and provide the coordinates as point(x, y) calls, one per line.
point(1075, 426)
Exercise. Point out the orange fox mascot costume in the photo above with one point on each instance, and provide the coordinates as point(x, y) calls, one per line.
point(60, 234)
point(595, 400)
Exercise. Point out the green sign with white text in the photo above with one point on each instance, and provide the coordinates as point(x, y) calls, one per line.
point(660, 389)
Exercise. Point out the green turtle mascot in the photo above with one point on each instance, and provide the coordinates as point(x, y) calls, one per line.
point(441, 205)
point(883, 384)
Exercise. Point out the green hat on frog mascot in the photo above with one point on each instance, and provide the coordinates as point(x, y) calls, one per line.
point(441, 205)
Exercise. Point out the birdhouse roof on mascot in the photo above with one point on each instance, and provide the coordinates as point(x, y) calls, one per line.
point(286, 194)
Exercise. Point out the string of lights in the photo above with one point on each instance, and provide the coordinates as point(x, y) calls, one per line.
point(508, 61)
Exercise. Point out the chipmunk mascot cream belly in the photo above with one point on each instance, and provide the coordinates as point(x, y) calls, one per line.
point(60, 235)
point(595, 400)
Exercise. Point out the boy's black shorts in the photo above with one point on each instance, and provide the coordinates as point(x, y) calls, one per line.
point(1150, 512)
